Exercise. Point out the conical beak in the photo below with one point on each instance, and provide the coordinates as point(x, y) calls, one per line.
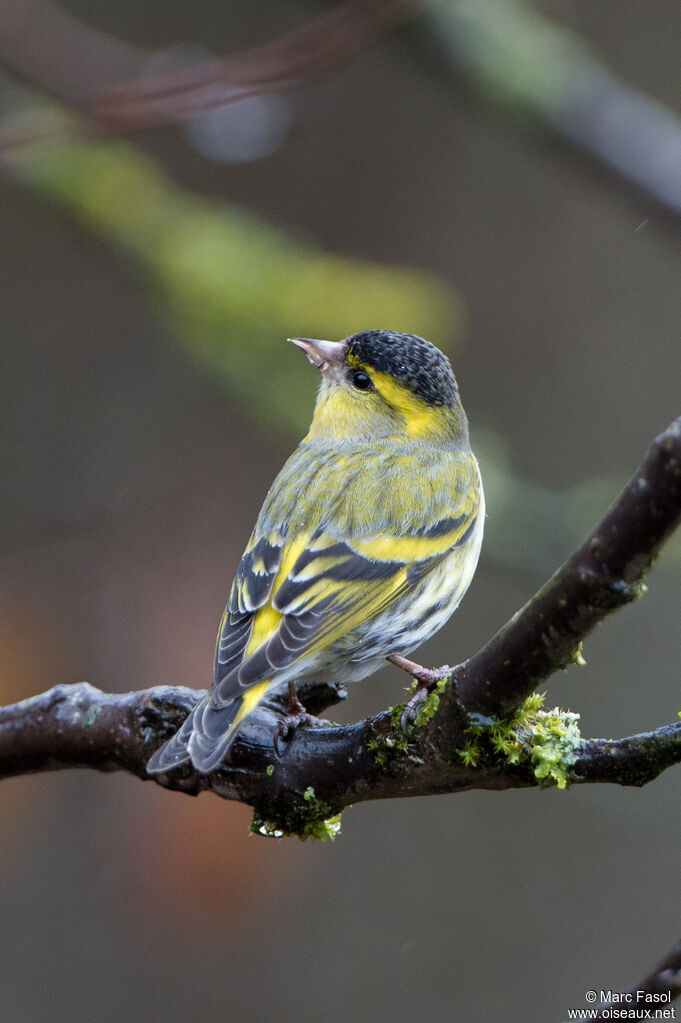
point(321, 353)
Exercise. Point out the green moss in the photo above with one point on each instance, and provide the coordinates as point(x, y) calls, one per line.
point(471, 753)
point(547, 739)
point(378, 751)
point(385, 748)
point(392, 747)
point(310, 818)
point(395, 744)
point(431, 704)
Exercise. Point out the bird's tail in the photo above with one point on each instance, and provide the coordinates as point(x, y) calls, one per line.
point(207, 734)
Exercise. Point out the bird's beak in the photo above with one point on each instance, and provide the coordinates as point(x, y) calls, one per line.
point(322, 353)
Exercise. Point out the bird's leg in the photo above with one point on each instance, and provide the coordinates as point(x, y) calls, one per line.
point(427, 679)
point(424, 676)
point(296, 716)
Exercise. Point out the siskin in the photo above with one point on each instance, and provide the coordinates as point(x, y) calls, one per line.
point(365, 545)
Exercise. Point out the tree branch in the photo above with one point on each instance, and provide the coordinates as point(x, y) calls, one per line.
point(452, 748)
point(635, 760)
point(80, 726)
point(602, 575)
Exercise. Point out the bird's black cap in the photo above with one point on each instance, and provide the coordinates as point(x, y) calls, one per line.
point(412, 360)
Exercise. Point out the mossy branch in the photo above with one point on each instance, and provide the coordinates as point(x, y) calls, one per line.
point(481, 732)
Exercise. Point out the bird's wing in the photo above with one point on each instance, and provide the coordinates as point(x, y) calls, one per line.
point(250, 592)
point(294, 596)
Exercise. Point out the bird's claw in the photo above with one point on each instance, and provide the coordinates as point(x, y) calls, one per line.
point(427, 679)
point(296, 716)
point(286, 726)
point(411, 709)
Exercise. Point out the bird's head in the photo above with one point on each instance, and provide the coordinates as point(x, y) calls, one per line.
point(383, 384)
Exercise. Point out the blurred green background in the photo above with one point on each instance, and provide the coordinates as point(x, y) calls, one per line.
point(147, 399)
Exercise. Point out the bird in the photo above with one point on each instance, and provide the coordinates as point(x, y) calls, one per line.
point(366, 542)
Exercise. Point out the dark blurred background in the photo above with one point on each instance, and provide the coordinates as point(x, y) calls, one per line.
point(148, 398)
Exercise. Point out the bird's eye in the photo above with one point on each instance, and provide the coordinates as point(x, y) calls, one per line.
point(361, 380)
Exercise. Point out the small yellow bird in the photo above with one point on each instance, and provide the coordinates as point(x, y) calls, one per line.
point(365, 545)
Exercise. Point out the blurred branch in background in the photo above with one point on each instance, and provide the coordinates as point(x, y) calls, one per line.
point(226, 282)
point(320, 44)
point(505, 51)
point(523, 63)
point(124, 87)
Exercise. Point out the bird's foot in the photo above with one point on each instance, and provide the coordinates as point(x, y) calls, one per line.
point(427, 679)
point(295, 717)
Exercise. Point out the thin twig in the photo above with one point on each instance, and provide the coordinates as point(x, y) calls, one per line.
point(320, 44)
point(105, 81)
